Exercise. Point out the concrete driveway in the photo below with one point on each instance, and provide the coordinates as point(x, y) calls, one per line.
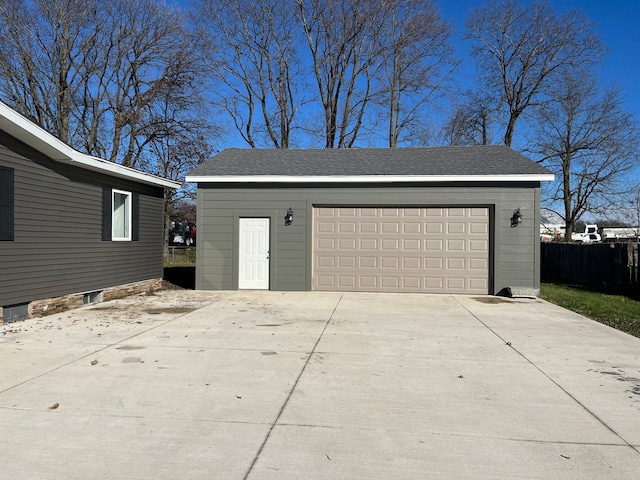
point(272, 385)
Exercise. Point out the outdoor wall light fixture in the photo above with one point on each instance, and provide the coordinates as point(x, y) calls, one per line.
point(516, 218)
point(288, 218)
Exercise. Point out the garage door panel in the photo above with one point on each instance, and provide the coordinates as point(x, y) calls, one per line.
point(347, 212)
point(325, 244)
point(390, 282)
point(436, 228)
point(325, 281)
point(410, 213)
point(322, 261)
point(368, 227)
point(411, 283)
point(478, 284)
point(457, 245)
point(368, 262)
point(434, 245)
point(390, 227)
point(431, 250)
point(391, 244)
point(326, 227)
point(434, 283)
point(478, 228)
point(391, 262)
point(455, 283)
point(456, 212)
point(325, 212)
point(412, 244)
point(347, 244)
point(478, 245)
point(409, 228)
point(347, 262)
point(478, 264)
point(434, 263)
point(456, 228)
point(455, 263)
point(347, 227)
point(479, 212)
point(411, 262)
point(368, 244)
point(390, 212)
point(368, 282)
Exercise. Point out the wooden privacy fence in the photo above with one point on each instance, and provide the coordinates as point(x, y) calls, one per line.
point(601, 264)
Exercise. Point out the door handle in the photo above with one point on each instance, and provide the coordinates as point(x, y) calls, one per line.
point(268, 254)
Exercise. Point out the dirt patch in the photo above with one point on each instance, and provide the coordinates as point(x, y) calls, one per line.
point(490, 300)
point(622, 376)
point(169, 310)
point(150, 311)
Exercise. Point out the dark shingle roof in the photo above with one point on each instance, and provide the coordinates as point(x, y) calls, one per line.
point(466, 161)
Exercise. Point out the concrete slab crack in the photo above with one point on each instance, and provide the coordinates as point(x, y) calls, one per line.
point(293, 387)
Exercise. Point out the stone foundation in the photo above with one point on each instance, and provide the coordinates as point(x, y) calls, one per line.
point(50, 306)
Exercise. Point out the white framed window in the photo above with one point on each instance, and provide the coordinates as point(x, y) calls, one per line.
point(121, 215)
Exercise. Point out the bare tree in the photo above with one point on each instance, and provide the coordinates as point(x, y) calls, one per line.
point(149, 47)
point(469, 123)
point(522, 49)
point(91, 71)
point(42, 59)
point(178, 140)
point(251, 50)
point(341, 36)
point(417, 58)
point(591, 143)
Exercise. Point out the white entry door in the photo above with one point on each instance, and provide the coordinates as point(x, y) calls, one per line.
point(254, 254)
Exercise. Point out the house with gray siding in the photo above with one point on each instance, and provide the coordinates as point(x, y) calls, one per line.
point(429, 220)
point(71, 225)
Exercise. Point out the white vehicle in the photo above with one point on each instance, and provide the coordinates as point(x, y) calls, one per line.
point(590, 235)
point(614, 234)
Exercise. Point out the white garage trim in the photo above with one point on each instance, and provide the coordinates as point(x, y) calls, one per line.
point(427, 250)
point(367, 178)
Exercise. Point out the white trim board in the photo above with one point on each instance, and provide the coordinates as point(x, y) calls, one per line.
point(368, 178)
point(31, 134)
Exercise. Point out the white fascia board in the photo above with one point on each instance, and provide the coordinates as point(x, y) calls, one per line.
point(105, 166)
point(29, 133)
point(370, 178)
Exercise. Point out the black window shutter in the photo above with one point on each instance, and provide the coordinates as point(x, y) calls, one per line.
point(106, 214)
point(135, 217)
point(6, 204)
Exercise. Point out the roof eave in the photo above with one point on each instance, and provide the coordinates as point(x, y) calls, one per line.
point(368, 178)
point(29, 133)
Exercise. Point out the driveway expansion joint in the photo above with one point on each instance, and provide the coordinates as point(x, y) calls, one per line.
point(295, 384)
point(546, 375)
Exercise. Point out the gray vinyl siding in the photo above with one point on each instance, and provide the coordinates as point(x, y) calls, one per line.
point(514, 255)
point(57, 248)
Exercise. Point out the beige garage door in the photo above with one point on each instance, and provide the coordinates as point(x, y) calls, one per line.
point(429, 250)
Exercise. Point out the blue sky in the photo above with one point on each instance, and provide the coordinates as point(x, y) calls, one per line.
point(618, 24)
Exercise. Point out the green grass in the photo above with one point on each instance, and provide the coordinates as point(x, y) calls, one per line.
point(617, 311)
point(180, 257)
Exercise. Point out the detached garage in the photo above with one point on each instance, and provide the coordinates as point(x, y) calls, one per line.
point(458, 220)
